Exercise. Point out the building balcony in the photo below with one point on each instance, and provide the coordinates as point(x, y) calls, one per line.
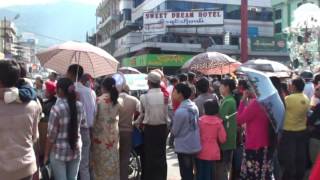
point(113, 17)
point(125, 28)
point(104, 42)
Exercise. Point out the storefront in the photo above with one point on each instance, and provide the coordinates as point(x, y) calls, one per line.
point(167, 62)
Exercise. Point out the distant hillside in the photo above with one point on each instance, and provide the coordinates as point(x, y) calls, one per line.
point(62, 20)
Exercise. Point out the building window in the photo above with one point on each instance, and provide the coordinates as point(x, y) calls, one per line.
point(234, 40)
point(278, 14)
point(136, 3)
point(278, 28)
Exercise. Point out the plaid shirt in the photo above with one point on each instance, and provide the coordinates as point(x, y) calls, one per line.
point(58, 130)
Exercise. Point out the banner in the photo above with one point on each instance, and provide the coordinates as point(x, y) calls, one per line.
point(136, 81)
point(184, 18)
point(268, 44)
point(157, 60)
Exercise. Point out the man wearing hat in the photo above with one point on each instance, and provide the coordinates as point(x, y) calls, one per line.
point(154, 118)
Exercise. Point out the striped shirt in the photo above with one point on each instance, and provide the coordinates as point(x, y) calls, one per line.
point(58, 130)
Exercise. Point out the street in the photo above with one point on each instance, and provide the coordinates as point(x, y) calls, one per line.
point(173, 166)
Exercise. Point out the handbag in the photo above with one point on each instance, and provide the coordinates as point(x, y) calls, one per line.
point(46, 172)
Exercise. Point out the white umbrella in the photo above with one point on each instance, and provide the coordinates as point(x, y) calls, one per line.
point(129, 70)
point(307, 15)
point(270, 68)
point(95, 61)
point(268, 96)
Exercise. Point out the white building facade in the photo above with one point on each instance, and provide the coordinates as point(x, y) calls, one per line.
point(166, 33)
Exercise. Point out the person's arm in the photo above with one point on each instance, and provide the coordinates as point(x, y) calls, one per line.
point(246, 113)
point(141, 112)
point(53, 127)
point(37, 116)
point(222, 135)
point(178, 118)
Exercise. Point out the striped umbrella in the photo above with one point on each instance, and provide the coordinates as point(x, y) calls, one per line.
point(95, 61)
point(212, 63)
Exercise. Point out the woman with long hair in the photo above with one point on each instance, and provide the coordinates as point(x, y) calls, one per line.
point(64, 139)
point(105, 134)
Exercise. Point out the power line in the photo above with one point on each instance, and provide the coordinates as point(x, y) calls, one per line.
point(42, 35)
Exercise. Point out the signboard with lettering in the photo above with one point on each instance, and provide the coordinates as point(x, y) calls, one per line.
point(184, 18)
point(156, 60)
point(153, 29)
point(268, 44)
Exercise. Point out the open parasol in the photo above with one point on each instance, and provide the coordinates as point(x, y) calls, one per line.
point(212, 63)
point(95, 61)
point(270, 68)
point(267, 95)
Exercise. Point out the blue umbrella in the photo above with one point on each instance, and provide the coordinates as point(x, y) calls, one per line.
point(268, 96)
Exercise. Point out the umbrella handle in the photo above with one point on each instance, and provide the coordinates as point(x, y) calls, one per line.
point(231, 115)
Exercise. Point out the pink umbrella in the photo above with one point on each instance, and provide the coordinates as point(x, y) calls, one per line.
point(95, 61)
point(212, 63)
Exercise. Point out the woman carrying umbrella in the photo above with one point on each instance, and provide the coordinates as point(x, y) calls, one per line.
point(257, 160)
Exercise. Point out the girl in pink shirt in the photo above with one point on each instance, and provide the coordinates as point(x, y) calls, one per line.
point(212, 134)
point(257, 160)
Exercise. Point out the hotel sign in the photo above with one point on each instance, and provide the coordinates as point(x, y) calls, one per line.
point(184, 18)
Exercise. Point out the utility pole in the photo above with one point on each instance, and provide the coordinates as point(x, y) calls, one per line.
point(5, 36)
point(244, 30)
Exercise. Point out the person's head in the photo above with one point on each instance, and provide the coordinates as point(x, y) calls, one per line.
point(298, 85)
point(159, 71)
point(9, 74)
point(316, 79)
point(23, 70)
point(182, 78)
point(66, 90)
point(86, 80)
point(202, 85)
point(243, 85)
point(53, 76)
point(307, 76)
point(317, 91)
point(126, 89)
point(191, 77)
point(75, 72)
point(285, 90)
point(211, 107)
point(109, 86)
point(181, 92)
point(174, 81)
point(227, 86)
point(154, 80)
point(50, 89)
point(39, 83)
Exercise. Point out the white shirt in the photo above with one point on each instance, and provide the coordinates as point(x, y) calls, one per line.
point(88, 99)
point(153, 109)
point(308, 89)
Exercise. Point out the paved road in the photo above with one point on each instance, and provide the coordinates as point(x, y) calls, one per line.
point(173, 166)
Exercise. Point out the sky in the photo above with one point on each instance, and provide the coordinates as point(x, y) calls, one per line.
point(52, 21)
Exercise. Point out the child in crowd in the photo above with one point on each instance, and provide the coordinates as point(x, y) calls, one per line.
point(212, 134)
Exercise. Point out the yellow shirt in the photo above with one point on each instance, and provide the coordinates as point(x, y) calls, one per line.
point(297, 106)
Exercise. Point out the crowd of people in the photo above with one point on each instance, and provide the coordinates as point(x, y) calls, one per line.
point(218, 128)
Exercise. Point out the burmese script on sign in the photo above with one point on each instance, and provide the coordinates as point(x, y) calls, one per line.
point(184, 18)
